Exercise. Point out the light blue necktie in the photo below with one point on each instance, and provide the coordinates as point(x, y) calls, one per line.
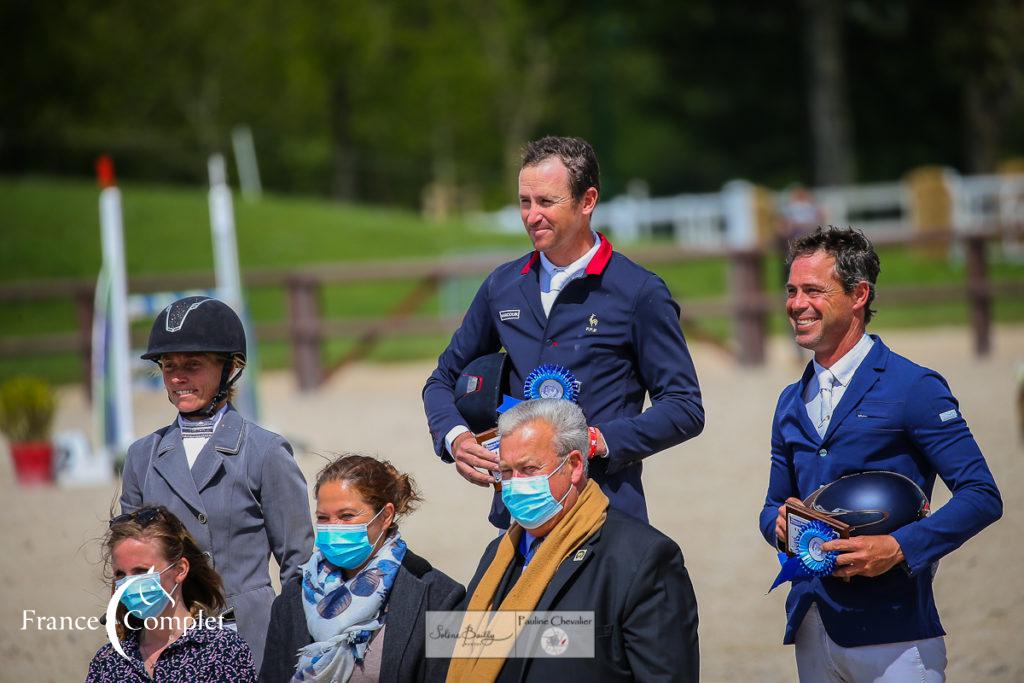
point(558, 280)
point(826, 382)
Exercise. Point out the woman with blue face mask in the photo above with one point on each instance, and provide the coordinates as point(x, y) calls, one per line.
point(357, 611)
point(165, 611)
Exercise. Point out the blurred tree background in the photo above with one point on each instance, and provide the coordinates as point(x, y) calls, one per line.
point(379, 102)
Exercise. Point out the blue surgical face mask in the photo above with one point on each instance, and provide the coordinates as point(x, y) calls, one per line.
point(529, 499)
point(145, 597)
point(346, 545)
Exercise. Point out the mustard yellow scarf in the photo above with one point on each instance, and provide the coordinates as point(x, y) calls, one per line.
point(578, 524)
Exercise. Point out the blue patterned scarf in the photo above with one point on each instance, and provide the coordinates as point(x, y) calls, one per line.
point(343, 615)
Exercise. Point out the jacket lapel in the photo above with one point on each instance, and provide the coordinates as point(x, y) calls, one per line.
point(171, 464)
point(529, 287)
point(863, 379)
point(799, 408)
point(404, 602)
point(572, 564)
point(565, 572)
point(226, 440)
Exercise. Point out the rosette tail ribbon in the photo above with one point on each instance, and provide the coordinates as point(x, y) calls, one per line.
point(508, 404)
point(809, 560)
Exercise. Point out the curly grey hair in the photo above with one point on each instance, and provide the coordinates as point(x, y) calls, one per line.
point(565, 417)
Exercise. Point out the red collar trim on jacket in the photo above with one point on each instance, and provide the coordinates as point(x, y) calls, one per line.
point(596, 265)
point(601, 258)
point(529, 264)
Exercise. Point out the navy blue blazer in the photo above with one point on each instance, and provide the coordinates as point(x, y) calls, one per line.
point(617, 330)
point(895, 416)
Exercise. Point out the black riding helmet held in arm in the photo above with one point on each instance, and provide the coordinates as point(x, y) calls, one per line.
point(481, 388)
point(199, 324)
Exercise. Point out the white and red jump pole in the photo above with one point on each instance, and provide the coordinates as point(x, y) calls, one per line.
point(112, 382)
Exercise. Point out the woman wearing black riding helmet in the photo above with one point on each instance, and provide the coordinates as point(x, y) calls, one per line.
point(234, 485)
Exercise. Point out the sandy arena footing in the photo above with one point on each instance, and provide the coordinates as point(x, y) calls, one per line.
point(705, 494)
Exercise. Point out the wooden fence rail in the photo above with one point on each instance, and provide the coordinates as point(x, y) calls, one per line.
point(307, 331)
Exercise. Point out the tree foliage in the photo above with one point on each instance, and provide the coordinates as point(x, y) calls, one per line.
point(381, 101)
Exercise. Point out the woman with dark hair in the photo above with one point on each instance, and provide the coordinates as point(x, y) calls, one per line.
point(234, 485)
point(169, 605)
point(357, 612)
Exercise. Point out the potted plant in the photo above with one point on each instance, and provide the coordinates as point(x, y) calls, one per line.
point(26, 414)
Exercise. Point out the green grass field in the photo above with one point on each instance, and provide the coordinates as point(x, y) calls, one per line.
point(50, 229)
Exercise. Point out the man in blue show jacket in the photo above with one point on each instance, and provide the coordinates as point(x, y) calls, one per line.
point(576, 303)
point(860, 407)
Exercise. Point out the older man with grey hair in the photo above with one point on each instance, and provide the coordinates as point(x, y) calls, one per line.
point(567, 551)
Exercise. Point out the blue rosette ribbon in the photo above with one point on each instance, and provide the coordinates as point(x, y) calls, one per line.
point(546, 381)
point(551, 381)
point(810, 559)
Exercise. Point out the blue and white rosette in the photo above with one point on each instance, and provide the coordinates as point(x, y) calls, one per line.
point(810, 559)
point(551, 381)
point(546, 381)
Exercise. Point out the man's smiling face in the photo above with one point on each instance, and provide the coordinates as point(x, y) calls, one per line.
point(822, 315)
point(556, 223)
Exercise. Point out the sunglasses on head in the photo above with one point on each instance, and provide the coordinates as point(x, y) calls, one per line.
point(142, 517)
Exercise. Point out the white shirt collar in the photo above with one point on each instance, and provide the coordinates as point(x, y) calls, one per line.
point(844, 368)
point(577, 265)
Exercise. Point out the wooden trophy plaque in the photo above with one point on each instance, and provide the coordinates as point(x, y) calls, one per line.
point(799, 515)
point(489, 440)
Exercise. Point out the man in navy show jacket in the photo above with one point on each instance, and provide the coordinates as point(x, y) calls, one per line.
point(893, 415)
point(614, 325)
